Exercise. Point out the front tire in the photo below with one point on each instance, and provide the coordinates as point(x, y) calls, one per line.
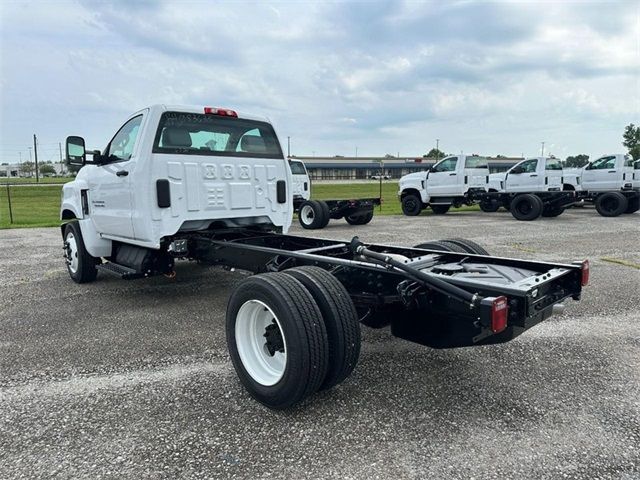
point(489, 207)
point(80, 264)
point(526, 207)
point(411, 205)
point(276, 339)
point(611, 204)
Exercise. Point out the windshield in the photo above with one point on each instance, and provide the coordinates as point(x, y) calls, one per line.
point(200, 134)
point(297, 168)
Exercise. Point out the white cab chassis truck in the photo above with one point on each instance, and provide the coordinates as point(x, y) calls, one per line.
point(607, 182)
point(465, 180)
point(315, 214)
point(610, 182)
point(212, 185)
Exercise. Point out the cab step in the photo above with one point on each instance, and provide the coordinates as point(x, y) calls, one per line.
point(120, 271)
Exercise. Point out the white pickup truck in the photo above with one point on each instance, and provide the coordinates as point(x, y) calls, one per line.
point(465, 180)
point(608, 182)
point(212, 185)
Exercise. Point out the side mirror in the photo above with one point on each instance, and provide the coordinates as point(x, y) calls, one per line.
point(75, 150)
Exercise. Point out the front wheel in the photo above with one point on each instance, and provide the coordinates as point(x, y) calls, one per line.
point(80, 264)
point(411, 205)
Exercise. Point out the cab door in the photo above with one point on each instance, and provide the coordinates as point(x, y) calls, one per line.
point(552, 175)
point(444, 180)
point(602, 174)
point(110, 195)
point(523, 177)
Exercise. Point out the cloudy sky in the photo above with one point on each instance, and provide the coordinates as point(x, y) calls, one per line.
point(382, 77)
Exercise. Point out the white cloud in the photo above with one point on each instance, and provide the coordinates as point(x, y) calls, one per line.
point(384, 76)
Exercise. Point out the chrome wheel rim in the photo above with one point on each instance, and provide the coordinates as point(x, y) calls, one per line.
point(258, 333)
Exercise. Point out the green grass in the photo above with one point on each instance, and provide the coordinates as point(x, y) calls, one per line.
point(21, 180)
point(32, 206)
point(39, 206)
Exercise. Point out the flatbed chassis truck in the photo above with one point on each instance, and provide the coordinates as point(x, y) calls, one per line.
point(293, 327)
point(316, 214)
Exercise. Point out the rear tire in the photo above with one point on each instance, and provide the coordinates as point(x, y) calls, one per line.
point(359, 219)
point(633, 205)
point(411, 205)
point(440, 209)
point(276, 339)
point(611, 204)
point(311, 215)
point(442, 246)
point(80, 264)
point(526, 207)
point(340, 321)
point(489, 207)
point(552, 211)
point(325, 212)
point(468, 245)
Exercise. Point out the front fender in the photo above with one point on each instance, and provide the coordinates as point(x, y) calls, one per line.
point(71, 200)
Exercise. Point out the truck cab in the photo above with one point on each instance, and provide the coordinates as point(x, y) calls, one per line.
point(445, 184)
point(300, 182)
point(608, 173)
point(170, 169)
point(540, 174)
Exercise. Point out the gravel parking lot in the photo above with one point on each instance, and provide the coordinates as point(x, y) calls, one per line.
point(132, 380)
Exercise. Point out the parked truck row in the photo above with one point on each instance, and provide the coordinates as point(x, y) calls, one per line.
point(179, 183)
point(532, 188)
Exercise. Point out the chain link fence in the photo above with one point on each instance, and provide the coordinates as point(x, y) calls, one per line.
point(23, 205)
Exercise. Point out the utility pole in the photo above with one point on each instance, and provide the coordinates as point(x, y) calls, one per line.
point(437, 148)
point(35, 153)
point(356, 152)
point(542, 154)
point(288, 146)
point(61, 163)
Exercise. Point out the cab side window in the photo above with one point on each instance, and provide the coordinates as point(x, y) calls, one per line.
point(446, 165)
point(121, 147)
point(603, 163)
point(529, 166)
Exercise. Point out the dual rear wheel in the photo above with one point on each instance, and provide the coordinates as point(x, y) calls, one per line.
point(291, 334)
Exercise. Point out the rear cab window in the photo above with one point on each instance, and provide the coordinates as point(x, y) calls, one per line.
point(297, 168)
point(213, 135)
point(553, 164)
point(476, 162)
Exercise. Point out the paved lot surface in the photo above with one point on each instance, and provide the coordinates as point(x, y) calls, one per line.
point(132, 379)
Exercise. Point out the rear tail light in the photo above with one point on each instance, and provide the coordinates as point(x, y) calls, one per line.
point(223, 112)
point(499, 314)
point(584, 281)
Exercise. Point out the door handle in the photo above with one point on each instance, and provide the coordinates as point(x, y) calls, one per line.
point(534, 175)
point(122, 173)
point(612, 171)
point(452, 174)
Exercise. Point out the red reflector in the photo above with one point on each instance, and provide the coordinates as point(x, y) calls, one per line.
point(585, 273)
point(499, 313)
point(223, 112)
